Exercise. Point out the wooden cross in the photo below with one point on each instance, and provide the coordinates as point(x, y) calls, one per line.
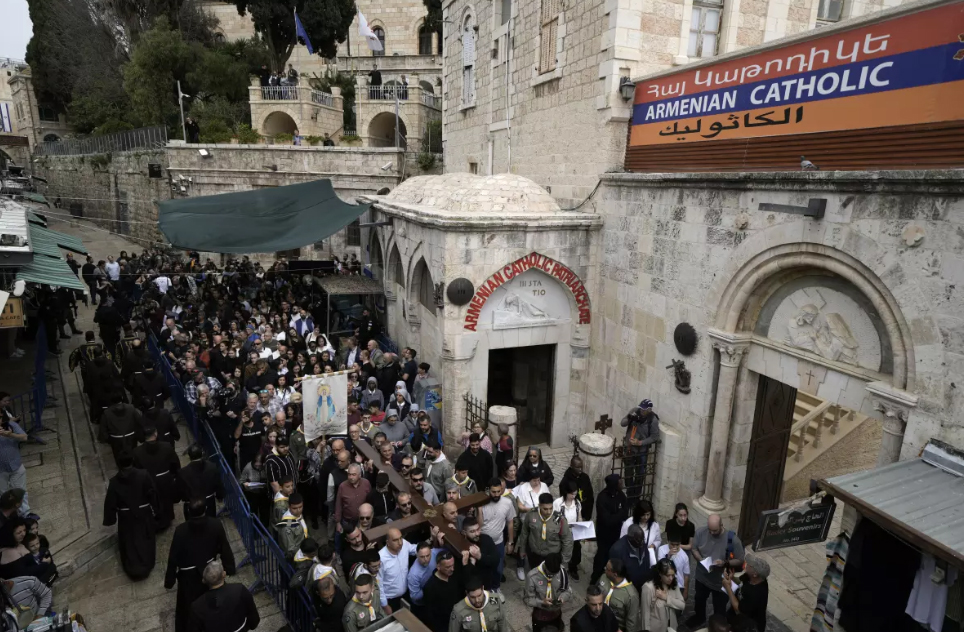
point(810, 376)
point(425, 512)
point(605, 423)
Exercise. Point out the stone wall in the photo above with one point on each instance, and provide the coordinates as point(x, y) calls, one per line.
point(673, 244)
point(103, 183)
point(114, 190)
point(568, 125)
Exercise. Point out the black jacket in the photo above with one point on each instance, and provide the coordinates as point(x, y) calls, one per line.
point(527, 470)
point(612, 508)
point(582, 621)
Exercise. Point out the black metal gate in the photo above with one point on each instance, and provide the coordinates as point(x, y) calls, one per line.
point(637, 469)
point(475, 410)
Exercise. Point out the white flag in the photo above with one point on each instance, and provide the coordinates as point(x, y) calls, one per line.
point(325, 405)
point(365, 31)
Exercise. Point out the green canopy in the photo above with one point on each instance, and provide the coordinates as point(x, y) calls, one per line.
point(49, 242)
point(50, 271)
point(35, 197)
point(263, 220)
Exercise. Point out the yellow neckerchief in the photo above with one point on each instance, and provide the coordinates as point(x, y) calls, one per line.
point(300, 557)
point(370, 426)
point(371, 610)
point(548, 580)
point(544, 521)
point(288, 517)
point(460, 483)
point(274, 451)
point(280, 496)
point(613, 588)
point(479, 610)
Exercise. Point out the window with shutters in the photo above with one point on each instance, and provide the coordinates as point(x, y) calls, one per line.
point(705, 29)
point(380, 34)
point(506, 11)
point(468, 62)
point(550, 29)
point(424, 40)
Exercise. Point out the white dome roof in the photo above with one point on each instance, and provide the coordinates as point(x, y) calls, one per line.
point(468, 194)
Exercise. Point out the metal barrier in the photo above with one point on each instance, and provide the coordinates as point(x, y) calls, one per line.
point(143, 138)
point(29, 405)
point(263, 553)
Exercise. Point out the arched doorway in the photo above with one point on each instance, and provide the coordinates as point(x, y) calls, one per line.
point(808, 336)
point(427, 86)
point(278, 123)
point(376, 258)
point(381, 131)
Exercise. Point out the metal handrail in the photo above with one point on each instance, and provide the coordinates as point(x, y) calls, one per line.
point(143, 138)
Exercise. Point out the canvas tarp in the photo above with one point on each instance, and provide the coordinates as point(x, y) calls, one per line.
point(262, 220)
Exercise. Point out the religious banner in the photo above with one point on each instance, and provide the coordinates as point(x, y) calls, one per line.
point(325, 405)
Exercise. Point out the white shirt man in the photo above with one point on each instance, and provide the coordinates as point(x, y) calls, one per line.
point(162, 283)
point(113, 269)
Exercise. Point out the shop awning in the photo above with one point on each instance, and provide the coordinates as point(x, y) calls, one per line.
point(49, 242)
point(50, 271)
point(35, 197)
point(263, 220)
point(33, 218)
point(920, 500)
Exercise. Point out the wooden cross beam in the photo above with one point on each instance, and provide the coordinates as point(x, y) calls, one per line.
point(425, 512)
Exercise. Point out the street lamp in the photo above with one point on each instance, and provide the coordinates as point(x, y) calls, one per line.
point(627, 89)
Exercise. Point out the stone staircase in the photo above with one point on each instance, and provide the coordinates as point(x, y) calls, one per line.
point(818, 425)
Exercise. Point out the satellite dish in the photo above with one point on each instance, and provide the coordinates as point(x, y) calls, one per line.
point(18, 287)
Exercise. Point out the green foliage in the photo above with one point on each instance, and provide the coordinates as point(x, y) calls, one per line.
point(434, 18)
point(215, 131)
point(432, 141)
point(112, 125)
point(326, 22)
point(283, 138)
point(160, 58)
point(100, 161)
point(314, 140)
point(426, 160)
point(248, 136)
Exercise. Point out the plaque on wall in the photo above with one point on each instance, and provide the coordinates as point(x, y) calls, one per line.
point(154, 170)
point(460, 291)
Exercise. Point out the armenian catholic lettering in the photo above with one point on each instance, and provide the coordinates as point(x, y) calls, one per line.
point(903, 71)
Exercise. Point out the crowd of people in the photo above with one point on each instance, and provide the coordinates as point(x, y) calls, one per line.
point(239, 338)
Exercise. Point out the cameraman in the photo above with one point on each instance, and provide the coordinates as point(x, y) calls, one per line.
point(642, 430)
point(13, 475)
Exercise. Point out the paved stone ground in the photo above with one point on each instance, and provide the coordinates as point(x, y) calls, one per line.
point(109, 600)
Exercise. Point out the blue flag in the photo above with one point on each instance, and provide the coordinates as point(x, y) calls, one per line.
point(303, 34)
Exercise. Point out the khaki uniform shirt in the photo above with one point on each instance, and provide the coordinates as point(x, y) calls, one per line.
point(558, 535)
point(358, 617)
point(465, 618)
point(625, 604)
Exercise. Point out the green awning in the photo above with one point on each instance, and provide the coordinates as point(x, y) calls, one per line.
point(49, 242)
point(36, 197)
point(33, 218)
point(50, 271)
point(263, 220)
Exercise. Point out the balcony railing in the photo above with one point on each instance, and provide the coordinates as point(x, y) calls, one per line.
point(296, 93)
point(387, 92)
point(431, 100)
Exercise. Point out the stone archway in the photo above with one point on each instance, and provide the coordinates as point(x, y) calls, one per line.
point(381, 131)
point(278, 122)
point(758, 269)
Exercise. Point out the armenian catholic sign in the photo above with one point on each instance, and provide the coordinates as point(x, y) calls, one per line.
point(903, 71)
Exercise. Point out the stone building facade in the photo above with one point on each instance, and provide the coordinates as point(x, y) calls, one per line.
point(566, 120)
point(39, 122)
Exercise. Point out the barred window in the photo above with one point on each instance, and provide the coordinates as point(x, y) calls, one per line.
point(353, 233)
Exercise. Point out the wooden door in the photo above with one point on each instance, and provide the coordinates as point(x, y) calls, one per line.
point(768, 453)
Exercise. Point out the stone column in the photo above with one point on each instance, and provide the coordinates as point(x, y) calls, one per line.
point(894, 406)
point(596, 451)
point(731, 351)
point(504, 416)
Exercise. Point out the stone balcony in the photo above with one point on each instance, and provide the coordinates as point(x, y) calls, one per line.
point(282, 109)
point(393, 64)
point(375, 112)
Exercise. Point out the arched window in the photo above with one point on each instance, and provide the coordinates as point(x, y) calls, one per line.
point(425, 286)
point(395, 267)
point(376, 258)
point(380, 34)
point(424, 40)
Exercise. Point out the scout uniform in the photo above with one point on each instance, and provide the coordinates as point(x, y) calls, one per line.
point(541, 586)
point(359, 616)
point(466, 487)
point(292, 531)
point(542, 537)
point(280, 507)
point(624, 601)
point(489, 618)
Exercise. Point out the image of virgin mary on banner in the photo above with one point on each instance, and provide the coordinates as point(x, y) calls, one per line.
point(325, 405)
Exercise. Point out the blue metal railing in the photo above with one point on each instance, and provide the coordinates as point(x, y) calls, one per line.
point(272, 569)
point(29, 405)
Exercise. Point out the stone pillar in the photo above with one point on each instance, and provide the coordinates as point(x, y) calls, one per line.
point(505, 416)
point(596, 451)
point(731, 351)
point(894, 406)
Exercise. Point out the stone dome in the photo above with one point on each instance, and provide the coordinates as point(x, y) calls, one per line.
point(468, 194)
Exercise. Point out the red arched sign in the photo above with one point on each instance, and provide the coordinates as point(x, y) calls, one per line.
point(540, 262)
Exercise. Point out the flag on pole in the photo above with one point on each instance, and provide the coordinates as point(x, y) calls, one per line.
point(303, 34)
point(374, 44)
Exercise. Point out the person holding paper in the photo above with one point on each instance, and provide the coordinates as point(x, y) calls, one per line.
point(750, 597)
point(715, 548)
point(569, 506)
